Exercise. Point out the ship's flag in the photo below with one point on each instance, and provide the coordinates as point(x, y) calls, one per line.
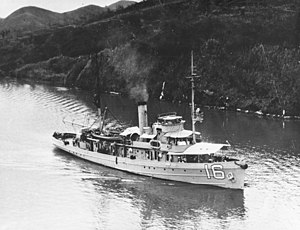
point(162, 90)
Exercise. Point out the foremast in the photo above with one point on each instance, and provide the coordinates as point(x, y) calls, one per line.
point(192, 79)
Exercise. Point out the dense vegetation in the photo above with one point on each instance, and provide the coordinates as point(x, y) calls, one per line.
point(245, 51)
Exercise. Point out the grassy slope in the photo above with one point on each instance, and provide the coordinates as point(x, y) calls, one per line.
point(248, 54)
point(30, 19)
point(120, 4)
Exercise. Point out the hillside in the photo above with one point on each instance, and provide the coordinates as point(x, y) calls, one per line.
point(29, 19)
point(120, 4)
point(247, 53)
point(83, 14)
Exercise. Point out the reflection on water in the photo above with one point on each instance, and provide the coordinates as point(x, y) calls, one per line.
point(44, 188)
point(165, 203)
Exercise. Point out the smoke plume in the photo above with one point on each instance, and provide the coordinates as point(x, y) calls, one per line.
point(134, 65)
point(139, 93)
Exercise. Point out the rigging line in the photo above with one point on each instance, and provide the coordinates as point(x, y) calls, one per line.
point(114, 116)
point(94, 122)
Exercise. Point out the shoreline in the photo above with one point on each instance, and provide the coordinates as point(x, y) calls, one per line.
point(220, 108)
point(255, 113)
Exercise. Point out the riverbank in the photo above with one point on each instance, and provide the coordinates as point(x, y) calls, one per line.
point(257, 113)
point(247, 57)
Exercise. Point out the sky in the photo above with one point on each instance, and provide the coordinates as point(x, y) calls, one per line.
point(9, 6)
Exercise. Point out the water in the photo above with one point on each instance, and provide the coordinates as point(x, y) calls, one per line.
point(44, 188)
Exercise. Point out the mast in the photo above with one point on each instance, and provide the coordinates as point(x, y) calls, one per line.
point(97, 98)
point(192, 78)
point(100, 118)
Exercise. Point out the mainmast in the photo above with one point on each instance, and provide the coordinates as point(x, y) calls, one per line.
point(97, 98)
point(192, 78)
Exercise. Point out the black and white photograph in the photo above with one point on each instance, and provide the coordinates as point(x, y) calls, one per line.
point(149, 114)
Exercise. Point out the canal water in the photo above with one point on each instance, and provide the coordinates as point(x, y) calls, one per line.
point(44, 188)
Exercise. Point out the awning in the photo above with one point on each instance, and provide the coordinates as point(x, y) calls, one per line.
point(204, 148)
point(147, 136)
point(171, 117)
point(181, 134)
point(130, 130)
point(201, 149)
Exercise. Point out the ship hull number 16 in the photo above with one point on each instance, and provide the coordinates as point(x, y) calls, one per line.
point(216, 172)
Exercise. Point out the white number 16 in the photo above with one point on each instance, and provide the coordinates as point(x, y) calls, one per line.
point(217, 172)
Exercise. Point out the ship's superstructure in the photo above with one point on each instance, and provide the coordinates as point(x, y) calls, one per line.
point(166, 150)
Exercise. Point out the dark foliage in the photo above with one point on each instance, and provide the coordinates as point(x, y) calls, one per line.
point(246, 51)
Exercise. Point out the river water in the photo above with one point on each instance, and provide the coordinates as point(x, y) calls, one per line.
point(44, 188)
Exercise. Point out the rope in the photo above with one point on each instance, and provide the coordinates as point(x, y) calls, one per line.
point(114, 116)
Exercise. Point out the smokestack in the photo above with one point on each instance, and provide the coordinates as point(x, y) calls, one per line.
point(142, 113)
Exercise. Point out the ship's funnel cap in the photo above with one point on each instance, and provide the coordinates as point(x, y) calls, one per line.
point(142, 103)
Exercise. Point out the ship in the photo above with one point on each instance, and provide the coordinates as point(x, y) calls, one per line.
point(164, 150)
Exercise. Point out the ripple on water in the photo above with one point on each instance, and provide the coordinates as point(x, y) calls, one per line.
point(275, 171)
point(64, 192)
